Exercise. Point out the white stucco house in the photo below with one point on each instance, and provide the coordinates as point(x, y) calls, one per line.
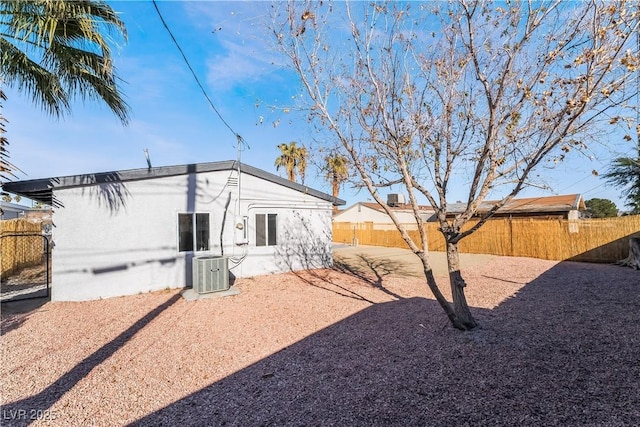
point(363, 212)
point(126, 232)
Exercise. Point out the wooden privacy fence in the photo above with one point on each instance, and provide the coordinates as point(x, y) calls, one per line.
point(19, 251)
point(589, 240)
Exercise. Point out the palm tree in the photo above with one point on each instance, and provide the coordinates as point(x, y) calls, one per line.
point(337, 171)
point(5, 166)
point(625, 173)
point(56, 50)
point(292, 158)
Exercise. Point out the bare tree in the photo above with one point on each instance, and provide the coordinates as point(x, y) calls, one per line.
point(421, 95)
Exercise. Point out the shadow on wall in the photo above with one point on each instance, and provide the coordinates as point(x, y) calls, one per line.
point(121, 266)
point(223, 222)
point(107, 189)
point(615, 250)
point(126, 266)
point(538, 359)
point(304, 247)
point(192, 189)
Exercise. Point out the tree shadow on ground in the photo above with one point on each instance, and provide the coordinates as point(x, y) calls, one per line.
point(308, 257)
point(16, 312)
point(322, 280)
point(365, 266)
point(51, 394)
point(562, 351)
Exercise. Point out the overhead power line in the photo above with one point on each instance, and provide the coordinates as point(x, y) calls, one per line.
point(195, 76)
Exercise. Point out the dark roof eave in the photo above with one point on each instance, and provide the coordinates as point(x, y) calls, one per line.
point(42, 189)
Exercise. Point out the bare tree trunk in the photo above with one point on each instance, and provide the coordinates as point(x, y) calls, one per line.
point(633, 260)
point(433, 286)
point(460, 306)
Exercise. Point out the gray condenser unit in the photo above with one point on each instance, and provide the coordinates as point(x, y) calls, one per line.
point(210, 274)
point(395, 199)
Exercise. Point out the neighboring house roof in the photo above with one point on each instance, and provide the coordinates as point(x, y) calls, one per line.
point(42, 189)
point(528, 205)
point(400, 207)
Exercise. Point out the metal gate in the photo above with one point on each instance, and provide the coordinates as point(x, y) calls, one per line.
point(25, 266)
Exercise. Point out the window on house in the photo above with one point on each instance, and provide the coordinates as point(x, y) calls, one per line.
point(266, 229)
point(193, 232)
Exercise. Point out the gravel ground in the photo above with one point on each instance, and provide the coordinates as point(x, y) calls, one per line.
point(558, 345)
point(29, 281)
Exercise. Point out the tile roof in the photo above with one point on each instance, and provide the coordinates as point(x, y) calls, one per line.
point(401, 207)
point(545, 204)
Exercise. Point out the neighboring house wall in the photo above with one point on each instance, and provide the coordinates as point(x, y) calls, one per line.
point(11, 210)
point(9, 214)
point(122, 238)
point(361, 213)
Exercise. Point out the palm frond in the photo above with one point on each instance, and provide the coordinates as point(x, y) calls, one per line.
point(27, 76)
point(86, 75)
point(56, 50)
point(6, 167)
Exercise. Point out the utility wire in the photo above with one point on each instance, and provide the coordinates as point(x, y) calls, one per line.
point(195, 76)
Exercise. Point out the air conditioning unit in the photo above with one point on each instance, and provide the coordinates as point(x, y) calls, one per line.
point(210, 274)
point(395, 199)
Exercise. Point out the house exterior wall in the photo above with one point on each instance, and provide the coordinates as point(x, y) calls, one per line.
point(122, 238)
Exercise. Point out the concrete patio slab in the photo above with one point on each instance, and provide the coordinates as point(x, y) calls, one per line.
point(191, 295)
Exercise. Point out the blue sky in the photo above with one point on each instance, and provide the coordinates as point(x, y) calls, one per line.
point(244, 77)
